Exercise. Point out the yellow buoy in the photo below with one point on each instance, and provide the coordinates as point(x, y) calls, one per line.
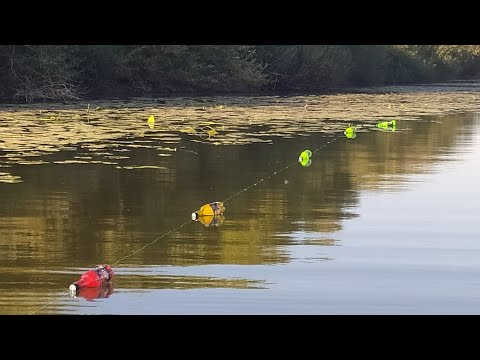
point(151, 122)
point(212, 209)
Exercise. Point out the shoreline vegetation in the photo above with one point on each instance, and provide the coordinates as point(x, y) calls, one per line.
point(65, 73)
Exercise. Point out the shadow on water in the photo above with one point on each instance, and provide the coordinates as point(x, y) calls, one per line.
point(65, 217)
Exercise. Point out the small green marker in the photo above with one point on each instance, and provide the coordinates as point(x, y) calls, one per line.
point(304, 158)
point(350, 132)
point(388, 125)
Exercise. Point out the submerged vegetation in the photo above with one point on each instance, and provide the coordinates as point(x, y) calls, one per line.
point(30, 73)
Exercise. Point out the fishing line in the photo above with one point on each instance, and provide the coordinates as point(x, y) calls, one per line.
point(153, 242)
point(229, 198)
point(44, 306)
point(327, 143)
point(276, 172)
point(123, 258)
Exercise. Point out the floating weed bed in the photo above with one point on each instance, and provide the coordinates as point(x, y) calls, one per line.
point(9, 178)
point(103, 128)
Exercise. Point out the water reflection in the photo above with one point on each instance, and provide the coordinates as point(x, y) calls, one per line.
point(211, 220)
point(92, 293)
point(154, 277)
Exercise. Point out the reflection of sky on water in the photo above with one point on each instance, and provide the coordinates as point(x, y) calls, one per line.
point(437, 209)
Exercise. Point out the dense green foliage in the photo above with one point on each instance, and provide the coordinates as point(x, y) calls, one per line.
point(66, 72)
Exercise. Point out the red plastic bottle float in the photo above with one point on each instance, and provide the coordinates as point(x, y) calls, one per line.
point(93, 278)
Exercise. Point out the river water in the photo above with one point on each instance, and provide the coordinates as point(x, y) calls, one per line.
point(386, 223)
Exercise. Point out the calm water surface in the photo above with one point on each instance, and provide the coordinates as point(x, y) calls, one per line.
point(386, 223)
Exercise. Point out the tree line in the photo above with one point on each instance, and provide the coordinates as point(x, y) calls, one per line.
point(31, 73)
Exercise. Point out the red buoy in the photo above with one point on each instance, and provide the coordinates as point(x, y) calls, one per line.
point(93, 278)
